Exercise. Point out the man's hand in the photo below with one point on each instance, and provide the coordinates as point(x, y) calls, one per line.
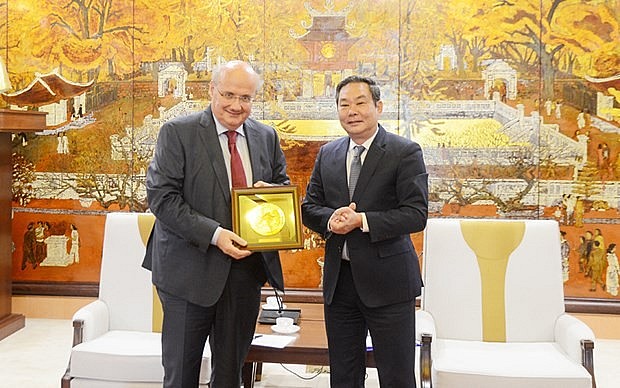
point(262, 184)
point(230, 242)
point(345, 219)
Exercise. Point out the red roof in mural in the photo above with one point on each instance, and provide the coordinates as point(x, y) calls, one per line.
point(609, 82)
point(46, 89)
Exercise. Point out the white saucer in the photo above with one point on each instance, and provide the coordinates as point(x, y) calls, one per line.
point(285, 330)
point(270, 307)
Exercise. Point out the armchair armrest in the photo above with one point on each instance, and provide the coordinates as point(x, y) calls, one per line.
point(577, 340)
point(569, 331)
point(90, 322)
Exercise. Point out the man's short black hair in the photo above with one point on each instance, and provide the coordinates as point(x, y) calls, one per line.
point(374, 88)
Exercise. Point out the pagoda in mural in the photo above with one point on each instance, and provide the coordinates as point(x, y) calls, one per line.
point(327, 41)
point(51, 93)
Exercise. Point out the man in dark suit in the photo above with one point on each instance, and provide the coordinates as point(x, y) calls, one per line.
point(365, 202)
point(208, 284)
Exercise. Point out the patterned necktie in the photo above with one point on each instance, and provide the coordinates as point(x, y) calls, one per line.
point(356, 166)
point(237, 173)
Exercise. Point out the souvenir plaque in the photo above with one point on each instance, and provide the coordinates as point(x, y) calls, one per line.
point(268, 218)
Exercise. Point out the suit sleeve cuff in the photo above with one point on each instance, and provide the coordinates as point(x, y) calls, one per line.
point(216, 235)
point(364, 227)
point(329, 221)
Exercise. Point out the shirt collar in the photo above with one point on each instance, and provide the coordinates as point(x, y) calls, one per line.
point(222, 129)
point(366, 144)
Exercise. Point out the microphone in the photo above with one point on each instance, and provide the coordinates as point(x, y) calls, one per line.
point(279, 300)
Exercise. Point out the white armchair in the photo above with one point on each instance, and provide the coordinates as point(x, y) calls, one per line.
point(492, 311)
point(117, 340)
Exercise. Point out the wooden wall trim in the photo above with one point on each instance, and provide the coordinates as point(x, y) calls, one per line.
point(90, 289)
point(592, 305)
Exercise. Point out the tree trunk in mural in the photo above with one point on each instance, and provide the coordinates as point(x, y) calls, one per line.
point(548, 72)
point(477, 49)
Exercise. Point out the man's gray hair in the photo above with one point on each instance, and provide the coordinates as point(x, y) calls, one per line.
point(217, 71)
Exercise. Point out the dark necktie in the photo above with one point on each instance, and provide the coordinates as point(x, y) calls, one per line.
point(354, 174)
point(356, 166)
point(237, 173)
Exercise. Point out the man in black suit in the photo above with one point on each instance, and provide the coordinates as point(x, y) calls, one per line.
point(208, 284)
point(366, 202)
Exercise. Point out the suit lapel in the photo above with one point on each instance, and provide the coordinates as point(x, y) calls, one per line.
point(371, 162)
point(340, 168)
point(211, 143)
point(252, 137)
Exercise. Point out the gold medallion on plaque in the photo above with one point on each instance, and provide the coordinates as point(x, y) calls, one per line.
point(266, 219)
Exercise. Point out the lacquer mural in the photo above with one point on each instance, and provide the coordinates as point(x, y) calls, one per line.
point(515, 103)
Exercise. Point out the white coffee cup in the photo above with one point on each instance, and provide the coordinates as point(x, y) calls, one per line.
point(272, 302)
point(284, 322)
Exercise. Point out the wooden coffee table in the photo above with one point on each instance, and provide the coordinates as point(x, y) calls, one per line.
point(309, 347)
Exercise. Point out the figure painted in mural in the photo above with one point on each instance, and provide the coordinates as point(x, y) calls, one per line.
point(59, 143)
point(371, 270)
point(558, 109)
point(598, 236)
point(582, 251)
point(606, 167)
point(568, 206)
point(40, 250)
point(581, 120)
point(548, 106)
point(65, 144)
point(565, 250)
point(597, 265)
point(588, 254)
point(29, 247)
point(208, 284)
point(613, 270)
point(24, 139)
point(74, 251)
